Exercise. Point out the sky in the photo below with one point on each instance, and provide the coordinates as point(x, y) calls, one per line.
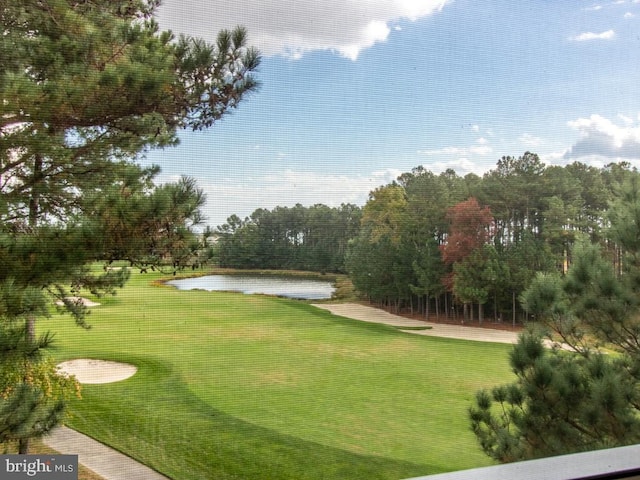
point(355, 92)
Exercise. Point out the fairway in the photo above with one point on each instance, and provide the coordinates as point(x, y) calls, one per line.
point(237, 386)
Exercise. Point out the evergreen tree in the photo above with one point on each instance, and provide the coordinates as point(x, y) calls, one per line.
point(470, 229)
point(85, 87)
point(587, 398)
point(33, 394)
point(429, 271)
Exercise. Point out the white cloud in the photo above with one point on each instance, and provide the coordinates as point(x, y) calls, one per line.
point(376, 31)
point(625, 119)
point(629, 15)
point(461, 166)
point(608, 35)
point(286, 188)
point(529, 140)
point(463, 160)
point(443, 151)
point(483, 148)
point(554, 158)
point(600, 137)
point(295, 27)
point(598, 7)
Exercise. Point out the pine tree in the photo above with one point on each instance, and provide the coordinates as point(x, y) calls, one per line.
point(588, 397)
point(86, 87)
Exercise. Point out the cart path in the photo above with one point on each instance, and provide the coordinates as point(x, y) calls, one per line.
point(365, 313)
point(105, 461)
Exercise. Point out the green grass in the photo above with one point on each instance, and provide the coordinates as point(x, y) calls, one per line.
point(234, 386)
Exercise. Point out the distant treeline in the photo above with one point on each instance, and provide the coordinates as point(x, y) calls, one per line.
point(293, 238)
point(434, 242)
point(441, 244)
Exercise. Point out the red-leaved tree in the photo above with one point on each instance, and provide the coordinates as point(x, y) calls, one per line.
point(470, 227)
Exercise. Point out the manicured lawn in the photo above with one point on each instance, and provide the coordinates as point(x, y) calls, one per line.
point(235, 386)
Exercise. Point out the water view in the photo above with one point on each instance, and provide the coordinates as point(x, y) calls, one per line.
point(289, 287)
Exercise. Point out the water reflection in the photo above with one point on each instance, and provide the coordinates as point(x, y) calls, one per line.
point(289, 287)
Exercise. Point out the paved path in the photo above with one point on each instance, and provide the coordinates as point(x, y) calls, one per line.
point(106, 462)
point(376, 315)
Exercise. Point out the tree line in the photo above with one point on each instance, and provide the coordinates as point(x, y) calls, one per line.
point(580, 392)
point(441, 244)
point(445, 244)
point(312, 238)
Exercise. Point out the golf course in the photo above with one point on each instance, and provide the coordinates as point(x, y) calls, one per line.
point(234, 386)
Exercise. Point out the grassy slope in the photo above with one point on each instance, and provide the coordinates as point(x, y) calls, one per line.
point(234, 386)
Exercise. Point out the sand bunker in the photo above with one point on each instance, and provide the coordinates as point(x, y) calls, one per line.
point(84, 301)
point(97, 371)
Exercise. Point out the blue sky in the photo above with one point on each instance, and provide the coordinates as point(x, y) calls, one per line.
point(355, 92)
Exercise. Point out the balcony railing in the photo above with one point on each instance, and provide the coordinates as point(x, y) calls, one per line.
point(614, 463)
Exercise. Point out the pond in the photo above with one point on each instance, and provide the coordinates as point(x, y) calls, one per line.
point(289, 287)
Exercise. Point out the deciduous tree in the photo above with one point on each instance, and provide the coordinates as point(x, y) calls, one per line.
point(470, 227)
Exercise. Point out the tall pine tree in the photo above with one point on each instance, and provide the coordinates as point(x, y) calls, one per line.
point(85, 87)
point(589, 396)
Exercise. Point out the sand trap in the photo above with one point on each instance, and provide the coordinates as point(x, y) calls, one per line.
point(84, 301)
point(97, 371)
point(370, 314)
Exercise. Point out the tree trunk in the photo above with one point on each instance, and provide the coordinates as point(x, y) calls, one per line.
point(34, 211)
point(23, 446)
point(34, 200)
point(426, 307)
point(25, 443)
point(446, 305)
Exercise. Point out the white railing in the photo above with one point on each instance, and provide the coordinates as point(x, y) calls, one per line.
point(614, 463)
